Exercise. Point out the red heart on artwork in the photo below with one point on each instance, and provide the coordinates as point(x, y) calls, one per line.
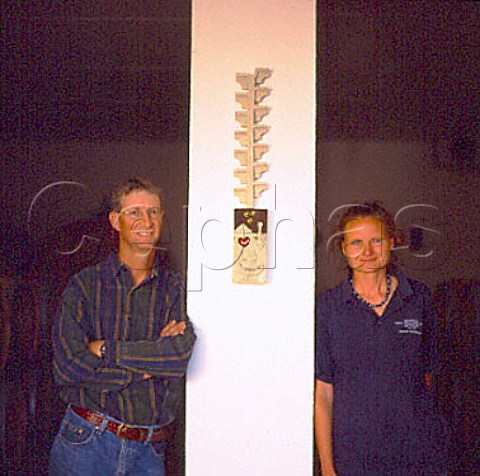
point(244, 241)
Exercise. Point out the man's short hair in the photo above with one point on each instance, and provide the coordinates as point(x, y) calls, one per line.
point(136, 184)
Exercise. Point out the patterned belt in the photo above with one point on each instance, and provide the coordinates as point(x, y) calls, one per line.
point(122, 430)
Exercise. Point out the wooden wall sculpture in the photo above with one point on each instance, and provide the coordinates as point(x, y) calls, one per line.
point(250, 230)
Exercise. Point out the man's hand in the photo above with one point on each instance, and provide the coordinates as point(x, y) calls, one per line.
point(94, 347)
point(173, 328)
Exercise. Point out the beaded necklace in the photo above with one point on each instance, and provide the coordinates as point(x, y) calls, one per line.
point(369, 304)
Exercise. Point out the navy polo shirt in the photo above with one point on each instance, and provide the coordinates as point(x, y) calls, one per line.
point(383, 415)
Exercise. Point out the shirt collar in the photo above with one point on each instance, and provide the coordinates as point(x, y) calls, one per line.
point(404, 289)
point(116, 265)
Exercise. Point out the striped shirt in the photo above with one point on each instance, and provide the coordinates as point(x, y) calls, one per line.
point(102, 303)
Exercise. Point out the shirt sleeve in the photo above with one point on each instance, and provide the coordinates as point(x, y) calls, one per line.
point(164, 357)
point(73, 363)
point(429, 335)
point(324, 368)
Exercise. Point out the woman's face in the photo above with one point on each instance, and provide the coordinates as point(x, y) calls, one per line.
point(366, 245)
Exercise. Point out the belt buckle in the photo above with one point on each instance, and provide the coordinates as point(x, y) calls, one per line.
point(124, 426)
point(120, 428)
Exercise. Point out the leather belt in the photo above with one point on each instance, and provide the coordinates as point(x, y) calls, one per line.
point(123, 430)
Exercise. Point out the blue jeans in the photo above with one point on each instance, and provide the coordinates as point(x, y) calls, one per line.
point(82, 449)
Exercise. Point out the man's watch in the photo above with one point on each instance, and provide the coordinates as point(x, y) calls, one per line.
point(102, 350)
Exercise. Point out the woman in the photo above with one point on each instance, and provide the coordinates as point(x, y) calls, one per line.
point(375, 354)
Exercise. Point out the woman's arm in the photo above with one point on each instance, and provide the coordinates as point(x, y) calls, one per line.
point(323, 414)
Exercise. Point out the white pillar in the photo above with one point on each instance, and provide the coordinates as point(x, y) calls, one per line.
point(250, 383)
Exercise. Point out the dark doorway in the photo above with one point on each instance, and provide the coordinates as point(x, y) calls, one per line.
point(93, 93)
point(398, 110)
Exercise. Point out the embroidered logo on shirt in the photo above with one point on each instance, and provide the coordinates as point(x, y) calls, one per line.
point(410, 326)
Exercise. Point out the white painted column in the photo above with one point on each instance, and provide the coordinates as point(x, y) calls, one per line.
point(250, 383)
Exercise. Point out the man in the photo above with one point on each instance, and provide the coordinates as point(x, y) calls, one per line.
point(121, 341)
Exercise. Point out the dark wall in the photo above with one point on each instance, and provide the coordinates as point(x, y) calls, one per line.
point(88, 70)
point(92, 93)
point(398, 70)
point(398, 121)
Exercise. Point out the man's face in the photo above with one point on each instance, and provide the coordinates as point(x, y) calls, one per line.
point(139, 223)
